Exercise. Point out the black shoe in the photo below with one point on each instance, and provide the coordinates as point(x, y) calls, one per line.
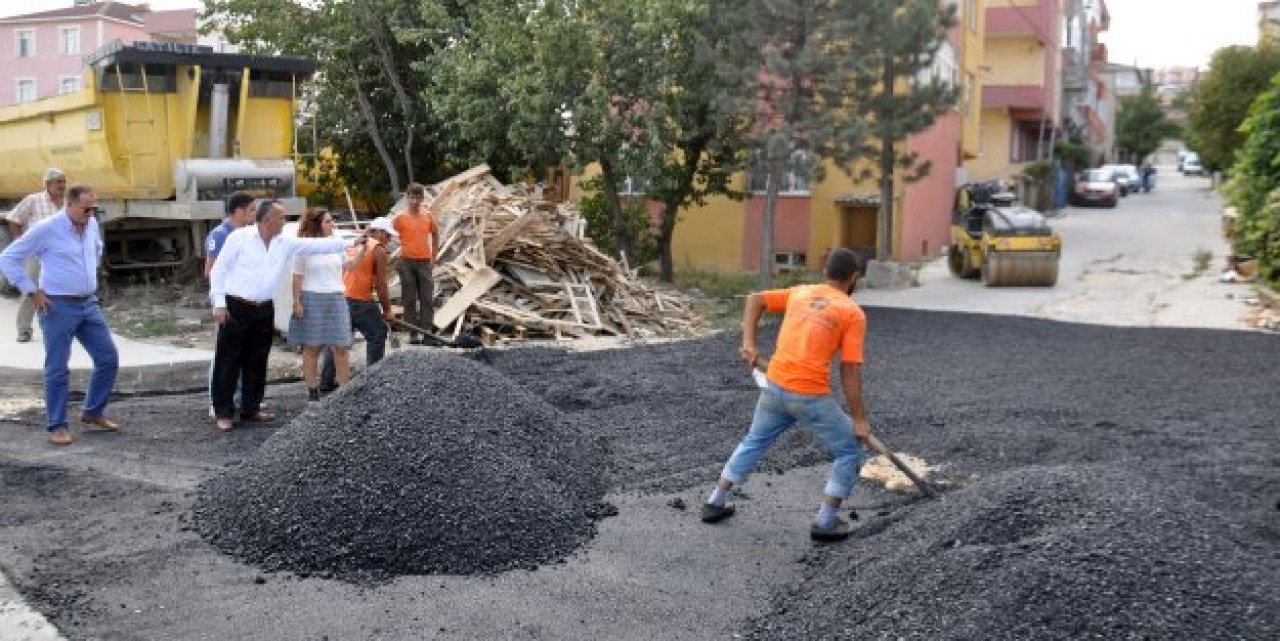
point(838, 531)
point(313, 394)
point(326, 388)
point(712, 513)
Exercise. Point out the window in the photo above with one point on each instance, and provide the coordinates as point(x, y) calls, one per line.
point(789, 261)
point(69, 41)
point(633, 186)
point(796, 178)
point(68, 84)
point(25, 43)
point(26, 90)
point(943, 70)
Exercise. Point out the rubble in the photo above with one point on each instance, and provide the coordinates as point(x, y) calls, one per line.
point(512, 264)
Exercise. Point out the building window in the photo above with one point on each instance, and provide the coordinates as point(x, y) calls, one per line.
point(633, 186)
point(796, 177)
point(68, 84)
point(26, 90)
point(943, 70)
point(25, 43)
point(69, 41)
point(790, 261)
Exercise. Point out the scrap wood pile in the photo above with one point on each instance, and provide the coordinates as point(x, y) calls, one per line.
point(513, 264)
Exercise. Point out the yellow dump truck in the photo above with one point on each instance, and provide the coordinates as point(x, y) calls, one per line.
point(165, 132)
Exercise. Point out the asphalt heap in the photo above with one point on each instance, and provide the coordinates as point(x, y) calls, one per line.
point(427, 464)
point(1105, 482)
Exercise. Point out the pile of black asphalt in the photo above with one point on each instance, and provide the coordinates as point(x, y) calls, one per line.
point(429, 464)
point(1102, 482)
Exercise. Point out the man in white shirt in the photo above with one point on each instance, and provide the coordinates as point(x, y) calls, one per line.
point(33, 209)
point(242, 286)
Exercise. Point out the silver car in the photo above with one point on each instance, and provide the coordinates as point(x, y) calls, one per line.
point(1127, 177)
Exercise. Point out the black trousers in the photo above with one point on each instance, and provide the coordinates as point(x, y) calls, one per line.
point(244, 343)
point(417, 293)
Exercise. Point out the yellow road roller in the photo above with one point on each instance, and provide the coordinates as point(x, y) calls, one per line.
point(1004, 243)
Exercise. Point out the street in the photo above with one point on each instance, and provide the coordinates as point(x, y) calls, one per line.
point(1135, 265)
point(1113, 476)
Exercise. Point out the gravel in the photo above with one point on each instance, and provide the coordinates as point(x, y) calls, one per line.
point(429, 464)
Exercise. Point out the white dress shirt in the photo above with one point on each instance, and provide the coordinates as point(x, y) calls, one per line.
point(247, 268)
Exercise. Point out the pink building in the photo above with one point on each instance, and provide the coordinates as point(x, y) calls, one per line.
point(41, 53)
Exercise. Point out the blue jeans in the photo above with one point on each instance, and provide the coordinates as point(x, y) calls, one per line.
point(66, 319)
point(366, 318)
point(776, 410)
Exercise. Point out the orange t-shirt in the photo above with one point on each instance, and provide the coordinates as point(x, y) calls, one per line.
point(820, 320)
point(415, 233)
point(359, 279)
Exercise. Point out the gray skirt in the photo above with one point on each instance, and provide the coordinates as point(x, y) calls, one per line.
point(325, 321)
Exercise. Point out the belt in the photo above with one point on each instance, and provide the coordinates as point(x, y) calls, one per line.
point(70, 297)
point(251, 303)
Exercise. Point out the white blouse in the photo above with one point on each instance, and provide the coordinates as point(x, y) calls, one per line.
point(321, 273)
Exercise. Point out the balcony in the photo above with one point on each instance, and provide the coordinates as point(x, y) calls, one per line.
point(1012, 19)
point(1031, 98)
point(1074, 72)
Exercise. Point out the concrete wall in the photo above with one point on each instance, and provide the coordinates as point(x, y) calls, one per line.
point(993, 162)
point(970, 36)
point(925, 213)
point(1015, 60)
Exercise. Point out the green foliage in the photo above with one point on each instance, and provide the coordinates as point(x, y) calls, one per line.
point(1221, 99)
point(1073, 153)
point(901, 39)
point(636, 223)
point(1255, 185)
point(1141, 125)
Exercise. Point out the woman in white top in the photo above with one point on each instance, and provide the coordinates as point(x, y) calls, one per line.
point(320, 316)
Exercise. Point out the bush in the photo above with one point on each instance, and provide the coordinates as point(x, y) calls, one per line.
point(636, 224)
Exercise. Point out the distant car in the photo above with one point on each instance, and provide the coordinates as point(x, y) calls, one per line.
point(1127, 177)
point(1188, 157)
point(1192, 167)
point(1096, 187)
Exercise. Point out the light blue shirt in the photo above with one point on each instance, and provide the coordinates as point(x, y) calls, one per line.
point(217, 236)
point(68, 259)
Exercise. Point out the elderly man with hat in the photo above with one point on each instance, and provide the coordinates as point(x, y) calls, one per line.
point(364, 274)
point(33, 209)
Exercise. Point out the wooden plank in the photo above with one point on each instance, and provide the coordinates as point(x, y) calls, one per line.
point(482, 281)
point(508, 233)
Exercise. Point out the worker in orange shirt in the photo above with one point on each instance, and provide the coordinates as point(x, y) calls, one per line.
point(820, 321)
point(419, 240)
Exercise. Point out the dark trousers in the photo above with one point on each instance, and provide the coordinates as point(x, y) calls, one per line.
point(417, 291)
point(244, 343)
point(366, 318)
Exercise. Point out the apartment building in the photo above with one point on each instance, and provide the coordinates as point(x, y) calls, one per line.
point(41, 53)
point(1021, 86)
point(814, 216)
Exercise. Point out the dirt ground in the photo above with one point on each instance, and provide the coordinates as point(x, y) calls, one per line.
point(99, 537)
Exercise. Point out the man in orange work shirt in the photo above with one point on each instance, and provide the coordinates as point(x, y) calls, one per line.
point(419, 239)
point(820, 321)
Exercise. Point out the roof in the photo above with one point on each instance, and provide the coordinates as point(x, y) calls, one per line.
point(164, 53)
point(113, 10)
point(868, 199)
point(173, 21)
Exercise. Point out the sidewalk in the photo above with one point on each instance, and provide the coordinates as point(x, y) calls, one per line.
point(143, 367)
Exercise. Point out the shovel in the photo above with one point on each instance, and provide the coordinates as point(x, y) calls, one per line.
point(436, 341)
point(757, 372)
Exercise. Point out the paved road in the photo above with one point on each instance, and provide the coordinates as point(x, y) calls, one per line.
point(1134, 265)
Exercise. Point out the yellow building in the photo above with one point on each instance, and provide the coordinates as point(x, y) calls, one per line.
point(839, 211)
point(1021, 86)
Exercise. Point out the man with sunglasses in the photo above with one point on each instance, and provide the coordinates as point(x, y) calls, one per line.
point(68, 246)
point(31, 210)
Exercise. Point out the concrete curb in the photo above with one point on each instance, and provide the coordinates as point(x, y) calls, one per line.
point(18, 622)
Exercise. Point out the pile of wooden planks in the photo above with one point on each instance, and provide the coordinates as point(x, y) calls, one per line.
point(514, 265)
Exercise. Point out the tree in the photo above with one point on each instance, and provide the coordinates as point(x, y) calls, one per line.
point(1141, 125)
point(1220, 102)
point(897, 90)
point(1254, 188)
point(794, 56)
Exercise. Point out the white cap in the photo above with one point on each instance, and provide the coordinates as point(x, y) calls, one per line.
point(53, 173)
point(382, 223)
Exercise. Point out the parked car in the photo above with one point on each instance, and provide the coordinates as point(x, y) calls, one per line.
point(1127, 177)
point(1192, 167)
point(1096, 187)
point(1189, 157)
